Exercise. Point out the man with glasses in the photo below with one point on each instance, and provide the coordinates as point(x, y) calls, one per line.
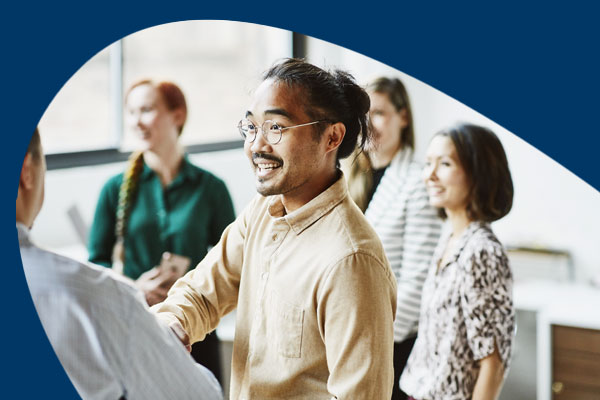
point(314, 293)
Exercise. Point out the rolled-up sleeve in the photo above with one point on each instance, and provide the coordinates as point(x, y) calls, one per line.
point(486, 300)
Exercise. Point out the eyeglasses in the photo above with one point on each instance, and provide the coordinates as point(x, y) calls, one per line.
point(271, 130)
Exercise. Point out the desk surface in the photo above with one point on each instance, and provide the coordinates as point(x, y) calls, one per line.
point(560, 303)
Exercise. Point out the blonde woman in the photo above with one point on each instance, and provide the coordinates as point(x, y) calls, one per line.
point(385, 182)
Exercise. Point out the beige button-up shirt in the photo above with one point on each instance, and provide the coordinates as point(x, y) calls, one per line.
point(315, 300)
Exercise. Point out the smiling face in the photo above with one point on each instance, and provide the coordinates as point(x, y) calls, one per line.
point(148, 116)
point(387, 125)
point(299, 165)
point(447, 183)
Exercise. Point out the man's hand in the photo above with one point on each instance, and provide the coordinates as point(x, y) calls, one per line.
point(155, 284)
point(181, 335)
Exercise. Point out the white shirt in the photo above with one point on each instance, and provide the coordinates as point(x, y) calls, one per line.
point(103, 334)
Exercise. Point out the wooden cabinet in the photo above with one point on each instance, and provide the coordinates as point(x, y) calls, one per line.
point(575, 363)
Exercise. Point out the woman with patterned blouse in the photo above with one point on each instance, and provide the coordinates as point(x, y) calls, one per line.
point(466, 326)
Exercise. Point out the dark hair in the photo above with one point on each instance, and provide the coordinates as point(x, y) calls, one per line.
point(330, 95)
point(35, 145)
point(170, 93)
point(398, 96)
point(484, 161)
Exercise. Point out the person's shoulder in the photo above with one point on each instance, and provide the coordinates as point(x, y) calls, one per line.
point(415, 166)
point(352, 245)
point(113, 183)
point(483, 249)
point(482, 236)
point(254, 214)
point(414, 174)
point(356, 234)
point(115, 179)
point(110, 280)
point(408, 173)
point(405, 164)
point(203, 175)
point(49, 271)
point(195, 169)
point(36, 258)
point(348, 214)
point(258, 207)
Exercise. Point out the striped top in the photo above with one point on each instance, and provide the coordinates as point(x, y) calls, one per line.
point(409, 229)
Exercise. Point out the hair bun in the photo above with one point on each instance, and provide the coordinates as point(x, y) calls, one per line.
point(357, 97)
point(331, 95)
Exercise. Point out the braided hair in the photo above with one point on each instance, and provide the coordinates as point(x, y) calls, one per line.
point(127, 192)
point(174, 99)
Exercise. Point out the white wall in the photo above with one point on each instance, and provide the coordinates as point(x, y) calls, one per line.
point(552, 207)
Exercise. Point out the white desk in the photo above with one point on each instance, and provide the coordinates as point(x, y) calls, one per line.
point(556, 303)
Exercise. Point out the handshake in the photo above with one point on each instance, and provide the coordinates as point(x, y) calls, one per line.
point(156, 282)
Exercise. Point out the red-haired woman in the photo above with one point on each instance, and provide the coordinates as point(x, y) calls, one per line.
point(162, 202)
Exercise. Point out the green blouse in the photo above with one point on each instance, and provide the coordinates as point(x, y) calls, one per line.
point(185, 218)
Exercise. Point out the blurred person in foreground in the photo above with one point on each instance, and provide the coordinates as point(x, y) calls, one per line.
point(98, 324)
point(314, 293)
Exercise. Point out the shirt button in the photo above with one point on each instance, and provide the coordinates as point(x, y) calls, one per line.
point(264, 276)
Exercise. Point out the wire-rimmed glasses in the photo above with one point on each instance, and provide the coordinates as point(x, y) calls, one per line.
point(271, 130)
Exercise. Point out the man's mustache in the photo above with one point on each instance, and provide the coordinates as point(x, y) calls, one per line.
point(266, 156)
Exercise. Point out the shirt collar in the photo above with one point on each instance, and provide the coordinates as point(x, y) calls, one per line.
point(23, 232)
point(186, 173)
point(312, 211)
point(464, 238)
point(402, 159)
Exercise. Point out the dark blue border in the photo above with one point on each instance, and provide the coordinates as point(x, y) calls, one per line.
point(531, 68)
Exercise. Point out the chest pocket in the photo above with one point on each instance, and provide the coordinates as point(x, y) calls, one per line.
point(288, 322)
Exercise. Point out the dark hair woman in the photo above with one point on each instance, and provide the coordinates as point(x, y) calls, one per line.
point(466, 327)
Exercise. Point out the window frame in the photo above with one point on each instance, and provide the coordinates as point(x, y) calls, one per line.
point(109, 155)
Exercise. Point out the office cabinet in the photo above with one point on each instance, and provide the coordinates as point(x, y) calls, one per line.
point(575, 363)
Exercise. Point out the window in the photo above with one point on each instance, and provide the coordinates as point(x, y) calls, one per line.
point(78, 118)
point(216, 64)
